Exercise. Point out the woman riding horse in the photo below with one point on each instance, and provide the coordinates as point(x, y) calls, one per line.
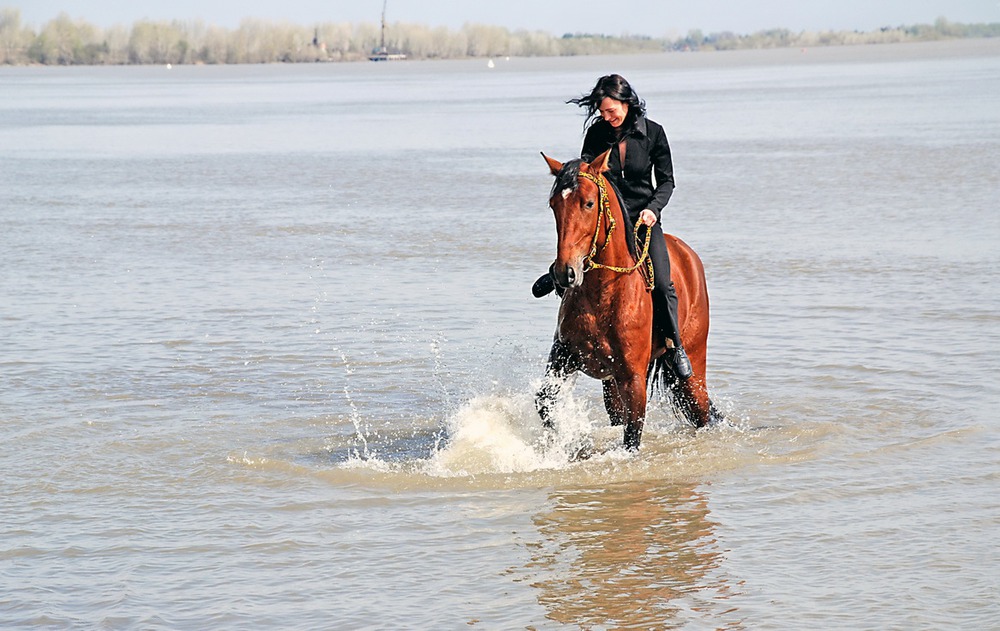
point(639, 153)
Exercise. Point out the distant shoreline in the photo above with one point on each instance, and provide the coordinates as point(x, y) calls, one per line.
point(984, 48)
point(64, 41)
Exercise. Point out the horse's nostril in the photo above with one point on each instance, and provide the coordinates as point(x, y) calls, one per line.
point(571, 275)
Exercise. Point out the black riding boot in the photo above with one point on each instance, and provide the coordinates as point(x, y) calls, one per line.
point(666, 316)
point(545, 284)
point(680, 362)
point(665, 303)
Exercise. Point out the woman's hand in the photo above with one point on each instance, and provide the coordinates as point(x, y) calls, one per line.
point(647, 217)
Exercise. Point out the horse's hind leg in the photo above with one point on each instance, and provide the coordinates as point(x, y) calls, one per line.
point(691, 397)
point(715, 415)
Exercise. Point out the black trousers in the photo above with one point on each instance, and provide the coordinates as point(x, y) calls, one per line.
point(664, 294)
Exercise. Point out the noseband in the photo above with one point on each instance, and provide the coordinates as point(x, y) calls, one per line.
point(604, 208)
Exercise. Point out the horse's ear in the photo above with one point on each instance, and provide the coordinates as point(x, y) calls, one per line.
point(554, 165)
point(600, 163)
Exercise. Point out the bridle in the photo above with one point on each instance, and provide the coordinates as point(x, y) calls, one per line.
point(604, 208)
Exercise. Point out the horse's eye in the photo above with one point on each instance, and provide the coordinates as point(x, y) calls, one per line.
point(589, 204)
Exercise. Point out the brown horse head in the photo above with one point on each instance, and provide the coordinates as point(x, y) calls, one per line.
point(575, 201)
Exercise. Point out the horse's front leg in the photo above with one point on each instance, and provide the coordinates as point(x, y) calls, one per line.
point(613, 402)
point(632, 391)
point(559, 366)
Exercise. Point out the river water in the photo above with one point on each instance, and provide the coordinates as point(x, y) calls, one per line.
point(268, 349)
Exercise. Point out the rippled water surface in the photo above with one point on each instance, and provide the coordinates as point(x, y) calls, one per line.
point(268, 349)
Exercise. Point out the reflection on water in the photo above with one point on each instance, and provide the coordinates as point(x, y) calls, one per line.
point(631, 556)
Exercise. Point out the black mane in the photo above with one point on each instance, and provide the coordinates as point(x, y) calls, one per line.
point(569, 177)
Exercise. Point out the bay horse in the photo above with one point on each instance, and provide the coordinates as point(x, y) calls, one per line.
point(605, 323)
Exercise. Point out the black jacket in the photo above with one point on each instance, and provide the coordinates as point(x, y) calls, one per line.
point(647, 155)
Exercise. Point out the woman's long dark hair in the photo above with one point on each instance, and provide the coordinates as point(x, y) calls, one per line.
point(611, 86)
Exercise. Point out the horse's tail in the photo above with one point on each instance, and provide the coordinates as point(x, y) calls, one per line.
point(662, 382)
point(661, 377)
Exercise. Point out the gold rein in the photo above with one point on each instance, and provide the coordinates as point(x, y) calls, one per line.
point(604, 208)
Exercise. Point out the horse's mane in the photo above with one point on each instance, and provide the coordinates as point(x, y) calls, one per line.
point(568, 177)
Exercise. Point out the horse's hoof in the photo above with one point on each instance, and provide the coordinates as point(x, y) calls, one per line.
point(715, 416)
point(583, 450)
point(548, 439)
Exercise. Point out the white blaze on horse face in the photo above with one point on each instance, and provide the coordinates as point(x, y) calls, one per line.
point(566, 192)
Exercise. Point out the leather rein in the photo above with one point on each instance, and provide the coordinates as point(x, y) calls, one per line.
point(604, 208)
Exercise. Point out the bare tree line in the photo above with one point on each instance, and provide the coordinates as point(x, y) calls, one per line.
point(67, 41)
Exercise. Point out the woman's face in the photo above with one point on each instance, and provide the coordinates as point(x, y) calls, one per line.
point(614, 112)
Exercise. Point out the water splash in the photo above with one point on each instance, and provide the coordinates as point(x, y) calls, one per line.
point(439, 371)
point(498, 440)
point(359, 431)
point(355, 416)
point(502, 434)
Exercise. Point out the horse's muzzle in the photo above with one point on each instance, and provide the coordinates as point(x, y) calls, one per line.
point(568, 275)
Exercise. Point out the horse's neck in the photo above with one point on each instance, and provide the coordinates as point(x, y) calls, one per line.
point(604, 286)
point(612, 249)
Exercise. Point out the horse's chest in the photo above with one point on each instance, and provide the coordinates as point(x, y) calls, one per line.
point(588, 339)
point(605, 338)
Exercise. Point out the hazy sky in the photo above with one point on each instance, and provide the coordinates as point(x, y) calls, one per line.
point(647, 17)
